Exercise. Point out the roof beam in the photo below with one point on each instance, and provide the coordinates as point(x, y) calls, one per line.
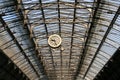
point(15, 72)
point(22, 16)
point(42, 69)
point(104, 38)
point(62, 22)
point(111, 70)
point(43, 16)
point(59, 17)
point(81, 60)
point(73, 26)
point(17, 43)
point(58, 2)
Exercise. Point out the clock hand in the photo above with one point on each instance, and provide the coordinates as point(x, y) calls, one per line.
point(54, 41)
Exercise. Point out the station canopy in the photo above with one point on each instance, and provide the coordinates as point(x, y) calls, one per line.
point(89, 29)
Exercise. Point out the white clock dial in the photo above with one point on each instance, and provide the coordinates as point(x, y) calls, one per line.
point(54, 40)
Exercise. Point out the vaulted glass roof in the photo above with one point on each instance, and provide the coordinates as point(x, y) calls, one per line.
point(90, 32)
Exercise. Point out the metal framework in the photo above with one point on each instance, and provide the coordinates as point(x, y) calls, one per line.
point(89, 30)
point(9, 69)
point(111, 69)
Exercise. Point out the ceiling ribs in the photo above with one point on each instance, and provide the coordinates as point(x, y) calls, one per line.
point(104, 38)
point(6, 64)
point(37, 53)
point(58, 3)
point(17, 43)
point(73, 26)
point(43, 16)
point(81, 60)
point(111, 70)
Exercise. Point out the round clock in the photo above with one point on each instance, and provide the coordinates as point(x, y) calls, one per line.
point(54, 40)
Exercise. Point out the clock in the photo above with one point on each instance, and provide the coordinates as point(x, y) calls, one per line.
point(54, 40)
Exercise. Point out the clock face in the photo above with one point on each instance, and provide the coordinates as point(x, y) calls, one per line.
point(54, 40)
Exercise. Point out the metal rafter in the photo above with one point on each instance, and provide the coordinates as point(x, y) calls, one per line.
point(32, 41)
point(73, 26)
point(104, 38)
point(111, 70)
point(87, 41)
point(62, 23)
point(43, 16)
point(42, 69)
point(6, 61)
point(17, 43)
point(58, 2)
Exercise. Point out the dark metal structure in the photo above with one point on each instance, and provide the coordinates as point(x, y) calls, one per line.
point(111, 70)
point(8, 70)
point(90, 32)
